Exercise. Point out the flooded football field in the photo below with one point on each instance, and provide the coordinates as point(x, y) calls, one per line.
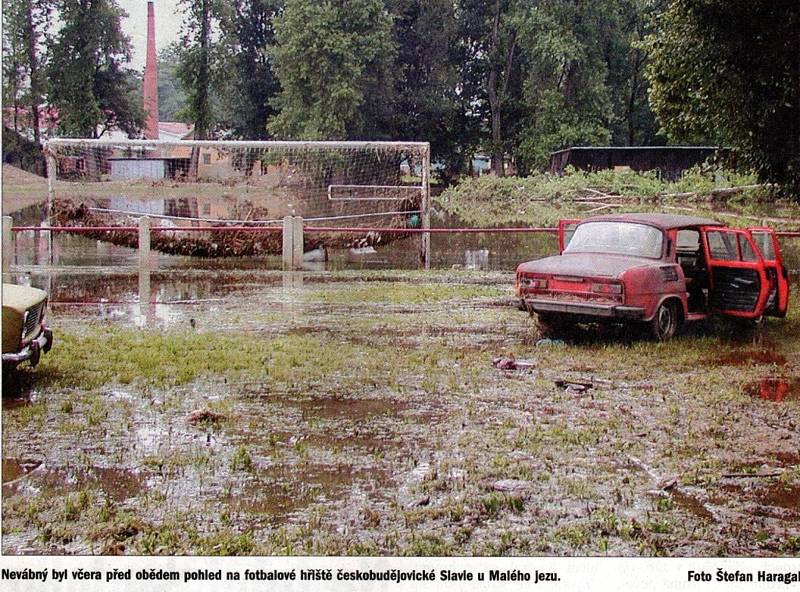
point(355, 409)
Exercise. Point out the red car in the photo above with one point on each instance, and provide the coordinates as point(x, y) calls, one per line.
point(658, 270)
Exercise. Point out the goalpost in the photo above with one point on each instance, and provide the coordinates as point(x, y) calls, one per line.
point(191, 183)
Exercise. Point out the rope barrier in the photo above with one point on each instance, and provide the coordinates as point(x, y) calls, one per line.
point(310, 229)
point(79, 229)
point(314, 229)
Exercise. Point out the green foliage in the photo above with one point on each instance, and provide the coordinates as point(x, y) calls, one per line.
point(195, 65)
point(241, 460)
point(25, 23)
point(334, 62)
point(244, 72)
point(427, 106)
point(515, 79)
point(171, 98)
point(544, 76)
point(543, 199)
point(565, 93)
point(492, 70)
point(13, 69)
point(583, 78)
point(89, 84)
point(22, 153)
point(729, 73)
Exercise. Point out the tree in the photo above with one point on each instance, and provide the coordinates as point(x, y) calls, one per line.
point(728, 72)
point(492, 66)
point(334, 63)
point(171, 98)
point(427, 105)
point(566, 96)
point(245, 76)
point(89, 84)
point(25, 22)
point(629, 23)
point(195, 66)
point(13, 70)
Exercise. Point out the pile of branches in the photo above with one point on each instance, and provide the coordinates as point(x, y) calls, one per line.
point(210, 243)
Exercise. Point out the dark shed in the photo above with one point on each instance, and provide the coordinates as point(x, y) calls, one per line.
point(672, 161)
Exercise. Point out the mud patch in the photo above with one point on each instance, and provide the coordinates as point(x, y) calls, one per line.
point(773, 389)
point(780, 495)
point(773, 498)
point(13, 468)
point(693, 505)
point(118, 484)
point(750, 358)
point(788, 459)
point(280, 491)
point(353, 409)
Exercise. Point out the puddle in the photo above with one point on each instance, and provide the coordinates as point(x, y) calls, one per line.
point(780, 495)
point(750, 358)
point(280, 491)
point(353, 409)
point(692, 505)
point(10, 403)
point(118, 484)
point(776, 390)
point(348, 439)
point(774, 493)
point(13, 468)
point(788, 459)
point(489, 251)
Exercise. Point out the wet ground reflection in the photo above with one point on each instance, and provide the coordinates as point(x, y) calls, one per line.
point(773, 389)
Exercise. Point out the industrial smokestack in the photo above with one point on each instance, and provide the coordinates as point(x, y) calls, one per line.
point(151, 79)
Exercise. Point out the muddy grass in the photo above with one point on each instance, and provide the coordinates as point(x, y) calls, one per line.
point(362, 415)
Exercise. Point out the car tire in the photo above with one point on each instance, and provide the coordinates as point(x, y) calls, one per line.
point(666, 321)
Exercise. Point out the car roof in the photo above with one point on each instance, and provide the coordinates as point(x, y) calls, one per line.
point(663, 221)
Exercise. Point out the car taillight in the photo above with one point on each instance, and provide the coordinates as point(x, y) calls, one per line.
point(537, 283)
point(607, 288)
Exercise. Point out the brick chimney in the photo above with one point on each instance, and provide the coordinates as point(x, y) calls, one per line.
point(151, 79)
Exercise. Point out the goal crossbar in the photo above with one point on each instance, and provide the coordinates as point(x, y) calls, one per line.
point(424, 146)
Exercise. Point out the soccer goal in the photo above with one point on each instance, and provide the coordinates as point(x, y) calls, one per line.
point(189, 183)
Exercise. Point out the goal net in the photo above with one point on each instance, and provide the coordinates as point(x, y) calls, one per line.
point(190, 183)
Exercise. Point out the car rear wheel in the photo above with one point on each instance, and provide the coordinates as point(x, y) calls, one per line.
point(666, 321)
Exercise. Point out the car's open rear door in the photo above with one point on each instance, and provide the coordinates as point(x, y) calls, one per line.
point(739, 285)
point(767, 243)
point(566, 228)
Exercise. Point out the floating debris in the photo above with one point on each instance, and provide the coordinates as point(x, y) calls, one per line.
point(574, 385)
point(509, 363)
point(204, 416)
point(238, 243)
point(511, 485)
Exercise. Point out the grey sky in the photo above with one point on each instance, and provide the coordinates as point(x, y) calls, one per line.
point(168, 24)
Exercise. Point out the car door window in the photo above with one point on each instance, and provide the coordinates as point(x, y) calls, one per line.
point(746, 249)
point(763, 241)
point(722, 246)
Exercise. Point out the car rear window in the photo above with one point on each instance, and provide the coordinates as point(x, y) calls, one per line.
point(617, 238)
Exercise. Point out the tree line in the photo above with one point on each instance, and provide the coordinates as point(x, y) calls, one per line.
point(515, 79)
